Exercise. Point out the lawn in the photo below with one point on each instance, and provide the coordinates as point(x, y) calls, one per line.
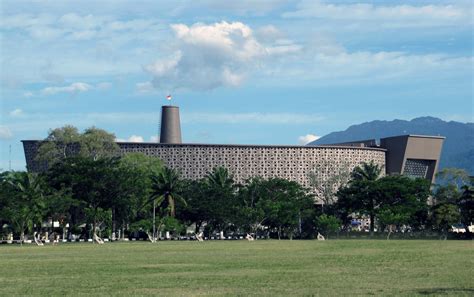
point(241, 268)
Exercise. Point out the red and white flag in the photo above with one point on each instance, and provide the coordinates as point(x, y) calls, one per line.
point(168, 97)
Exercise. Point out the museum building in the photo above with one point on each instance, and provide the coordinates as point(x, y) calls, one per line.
point(411, 155)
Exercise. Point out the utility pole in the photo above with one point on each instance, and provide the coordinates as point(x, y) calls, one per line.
point(10, 158)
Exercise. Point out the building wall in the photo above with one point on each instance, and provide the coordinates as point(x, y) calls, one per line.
point(413, 155)
point(245, 161)
point(170, 130)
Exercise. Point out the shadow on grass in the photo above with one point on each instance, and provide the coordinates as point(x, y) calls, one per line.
point(441, 291)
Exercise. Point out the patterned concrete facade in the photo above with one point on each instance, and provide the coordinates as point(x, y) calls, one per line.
point(245, 161)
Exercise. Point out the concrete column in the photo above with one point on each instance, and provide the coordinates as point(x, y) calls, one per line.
point(170, 131)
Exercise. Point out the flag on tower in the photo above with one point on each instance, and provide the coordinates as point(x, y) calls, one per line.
point(168, 97)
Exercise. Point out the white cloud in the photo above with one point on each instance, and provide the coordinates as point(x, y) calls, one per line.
point(395, 15)
point(211, 56)
point(5, 132)
point(254, 117)
point(28, 94)
point(154, 139)
point(244, 7)
point(302, 140)
point(268, 33)
point(77, 45)
point(144, 87)
point(103, 86)
point(16, 113)
point(39, 123)
point(135, 138)
point(340, 67)
point(74, 88)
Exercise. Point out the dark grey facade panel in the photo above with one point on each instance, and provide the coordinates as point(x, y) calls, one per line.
point(407, 154)
point(170, 128)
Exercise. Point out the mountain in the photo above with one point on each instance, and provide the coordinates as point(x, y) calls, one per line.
point(458, 149)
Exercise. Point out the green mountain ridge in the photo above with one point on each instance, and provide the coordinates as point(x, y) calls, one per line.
point(458, 148)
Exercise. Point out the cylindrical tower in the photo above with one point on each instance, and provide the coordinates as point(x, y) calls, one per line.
point(170, 131)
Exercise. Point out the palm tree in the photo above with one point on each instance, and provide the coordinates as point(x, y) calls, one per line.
point(366, 172)
point(29, 206)
point(365, 175)
point(220, 178)
point(165, 188)
point(220, 191)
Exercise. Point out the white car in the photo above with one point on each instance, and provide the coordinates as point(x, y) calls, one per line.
point(471, 228)
point(458, 228)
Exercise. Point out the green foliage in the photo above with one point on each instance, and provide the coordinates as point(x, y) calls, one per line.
point(66, 142)
point(252, 201)
point(445, 215)
point(449, 184)
point(326, 224)
point(197, 208)
point(145, 225)
point(398, 199)
point(453, 176)
point(284, 203)
point(165, 189)
point(58, 144)
point(366, 171)
point(135, 172)
point(87, 183)
point(453, 199)
point(219, 191)
point(26, 206)
point(172, 225)
point(93, 184)
point(97, 143)
point(466, 205)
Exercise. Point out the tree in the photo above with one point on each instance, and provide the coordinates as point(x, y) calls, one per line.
point(326, 224)
point(326, 178)
point(28, 205)
point(97, 143)
point(286, 204)
point(366, 171)
point(166, 188)
point(252, 199)
point(403, 200)
point(445, 215)
point(455, 176)
point(65, 142)
point(452, 199)
point(94, 184)
point(466, 205)
point(219, 189)
point(198, 206)
point(58, 145)
point(59, 203)
point(449, 183)
point(392, 216)
point(392, 196)
point(135, 173)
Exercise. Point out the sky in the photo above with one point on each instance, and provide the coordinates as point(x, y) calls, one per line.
point(242, 72)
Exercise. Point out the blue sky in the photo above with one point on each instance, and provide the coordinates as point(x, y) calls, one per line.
point(249, 72)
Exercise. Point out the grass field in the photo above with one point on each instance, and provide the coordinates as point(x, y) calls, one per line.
point(240, 268)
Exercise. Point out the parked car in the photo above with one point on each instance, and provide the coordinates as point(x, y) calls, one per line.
point(458, 228)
